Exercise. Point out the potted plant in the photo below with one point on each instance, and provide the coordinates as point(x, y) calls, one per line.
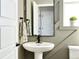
point(73, 20)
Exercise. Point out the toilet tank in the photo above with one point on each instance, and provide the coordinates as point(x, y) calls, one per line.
point(73, 52)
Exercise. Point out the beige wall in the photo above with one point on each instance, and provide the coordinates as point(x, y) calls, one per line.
point(21, 51)
point(62, 39)
point(20, 8)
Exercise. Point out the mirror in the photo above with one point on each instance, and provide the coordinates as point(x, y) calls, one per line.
point(69, 18)
point(40, 16)
point(43, 18)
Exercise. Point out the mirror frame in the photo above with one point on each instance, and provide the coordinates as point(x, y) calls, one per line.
point(31, 20)
point(53, 23)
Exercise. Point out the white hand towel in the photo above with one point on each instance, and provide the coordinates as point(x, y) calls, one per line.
point(24, 37)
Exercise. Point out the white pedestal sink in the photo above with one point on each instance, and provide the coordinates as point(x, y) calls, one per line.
point(38, 48)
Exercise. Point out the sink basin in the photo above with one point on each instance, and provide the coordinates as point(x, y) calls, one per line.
point(38, 48)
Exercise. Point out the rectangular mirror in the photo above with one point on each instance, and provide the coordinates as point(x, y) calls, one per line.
point(69, 16)
point(43, 19)
point(40, 17)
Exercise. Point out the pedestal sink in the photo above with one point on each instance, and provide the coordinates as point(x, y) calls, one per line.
point(38, 48)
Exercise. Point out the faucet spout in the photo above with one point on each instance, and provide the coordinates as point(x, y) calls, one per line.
point(38, 39)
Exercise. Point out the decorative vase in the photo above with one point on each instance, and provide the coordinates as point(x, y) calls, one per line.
point(72, 23)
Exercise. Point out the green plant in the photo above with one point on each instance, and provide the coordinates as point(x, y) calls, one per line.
point(73, 18)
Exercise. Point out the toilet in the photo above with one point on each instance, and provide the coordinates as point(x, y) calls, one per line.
point(73, 52)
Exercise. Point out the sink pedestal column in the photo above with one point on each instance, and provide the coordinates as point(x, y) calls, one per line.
point(38, 55)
